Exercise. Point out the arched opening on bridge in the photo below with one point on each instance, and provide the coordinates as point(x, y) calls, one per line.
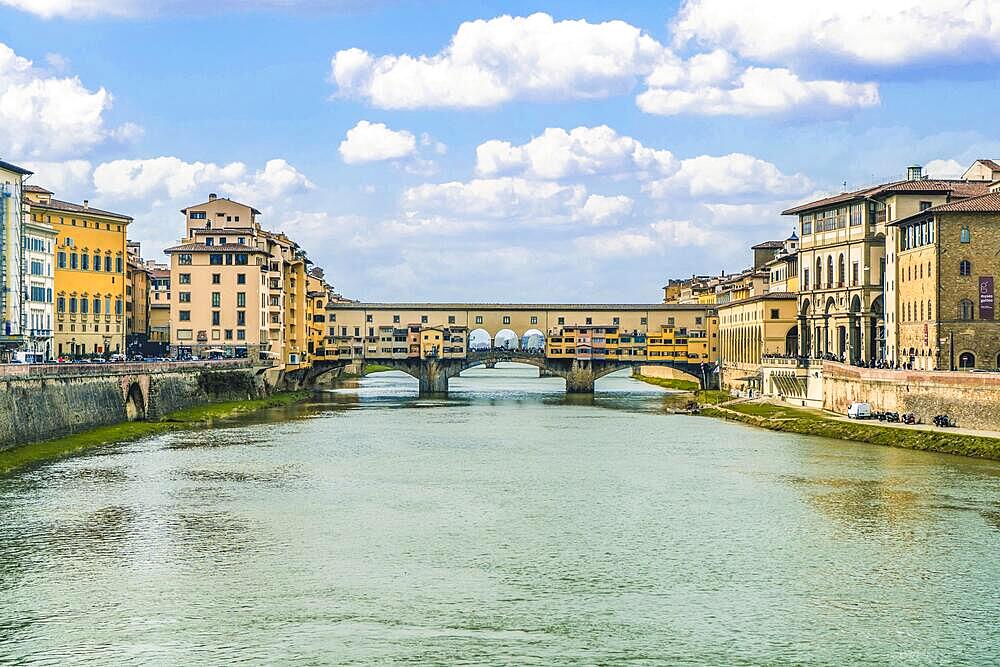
point(480, 340)
point(505, 340)
point(135, 403)
point(533, 340)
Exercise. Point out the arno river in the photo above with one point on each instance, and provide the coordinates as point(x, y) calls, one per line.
point(504, 525)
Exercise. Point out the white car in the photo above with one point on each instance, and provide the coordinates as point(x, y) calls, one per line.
point(859, 411)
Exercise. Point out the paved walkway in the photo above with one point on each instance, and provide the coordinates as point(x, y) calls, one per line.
point(875, 422)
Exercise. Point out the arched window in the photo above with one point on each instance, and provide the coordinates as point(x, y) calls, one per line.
point(965, 268)
point(921, 311)
point(965, 236)
point(966, 360)
point(819, 272)
point(841, 271)
point(965, 310)
point(930, 310)
point(829, 271)
point(928, 269)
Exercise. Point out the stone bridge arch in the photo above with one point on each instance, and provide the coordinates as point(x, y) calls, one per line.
point(135, 401)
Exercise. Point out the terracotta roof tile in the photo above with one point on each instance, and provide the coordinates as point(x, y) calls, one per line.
point(69, 207)
point(955, 188)
point(202, 247)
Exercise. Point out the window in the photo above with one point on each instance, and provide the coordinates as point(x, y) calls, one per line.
point(184, 297)
point(216, 299)
point(451, 319)
point(614, 320)
point(241, 299)
point(423, 319)
point(965, 236)
point(85, 262)
point(966, 360)
point(506, 319)
point(590, 320)
point(107, 263)
point(241, 279)
point(829, 271)
point(807, 224)
point(856, 211)
point(119, 265)
point(841, 271)
point(642, 321)
point(97, 262)
point(183, 259)
point(965, 310)
point(61, 260)
point(61, 304)
point(242, 259)
point(924, 205)
point(965, 268)
point(805, 278)
point(72, 304)
point(215, 259)
point(562, 320)
point(84, 305)
point(228, 334)
point(241, 318)
point(930, 310)
point(241, 334)
point(197, 215)
point(185, 315)
point(184, 279)
point(97, 306)
point(118, 306)
point(775, 314)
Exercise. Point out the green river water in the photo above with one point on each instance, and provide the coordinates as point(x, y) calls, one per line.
point(508, 524)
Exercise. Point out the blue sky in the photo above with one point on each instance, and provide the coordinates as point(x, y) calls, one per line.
point(517, 151)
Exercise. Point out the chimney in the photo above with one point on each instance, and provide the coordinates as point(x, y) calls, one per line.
point(86, 204)
point(914, 172)
point(212, 196)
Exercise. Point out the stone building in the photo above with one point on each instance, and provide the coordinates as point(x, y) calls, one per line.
point(842, 262)
point(752, 328)
point(946, 264)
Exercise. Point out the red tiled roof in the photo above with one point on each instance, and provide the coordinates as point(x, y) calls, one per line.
point(36, 189)
point(69, 207)
point(955, 188)
point(767, 245)
point(987, 203)
point(202, 247)
point(991, 164)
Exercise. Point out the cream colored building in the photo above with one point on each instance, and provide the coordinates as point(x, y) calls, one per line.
point(39, 285)
point(752, 328)
point(220, 282)
point(842, 264)
point(237, 287)
point(12, 321)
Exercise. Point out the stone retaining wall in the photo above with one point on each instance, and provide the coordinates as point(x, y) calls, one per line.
point(972, 399)
point(41, 408)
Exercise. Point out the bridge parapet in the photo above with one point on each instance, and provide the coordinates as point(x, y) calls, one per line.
point(29, 371)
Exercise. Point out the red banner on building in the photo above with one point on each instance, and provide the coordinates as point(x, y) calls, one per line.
point(986, 297)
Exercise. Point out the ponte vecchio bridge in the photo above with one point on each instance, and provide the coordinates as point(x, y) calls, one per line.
point(578, 342)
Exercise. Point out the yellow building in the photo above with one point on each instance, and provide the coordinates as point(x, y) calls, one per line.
point(159, 305)
point(90, 274)
point(431, 342)
point(136, 302)
point(753, 328)
point(317, 294)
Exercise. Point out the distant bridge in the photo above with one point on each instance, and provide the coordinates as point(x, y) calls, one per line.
point(366, 331)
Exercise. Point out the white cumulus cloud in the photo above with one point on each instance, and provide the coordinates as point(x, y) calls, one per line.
point(498, 198)
point(61, 178)
point(374, 142)
point(489, 62)
point(42, 115)
point(173, 178)
point(945, 169)
point(732, 175)
point(582, 151)
point(602, 209)
point(887, 32)
point(757, 91)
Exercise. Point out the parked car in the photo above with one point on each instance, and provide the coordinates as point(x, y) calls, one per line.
point(859, 411)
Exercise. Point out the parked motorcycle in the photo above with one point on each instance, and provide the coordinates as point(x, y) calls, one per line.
point(910, 418)
point(944, 421)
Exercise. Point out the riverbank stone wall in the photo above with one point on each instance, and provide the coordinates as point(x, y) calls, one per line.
point(971, 399)
point(40, 408)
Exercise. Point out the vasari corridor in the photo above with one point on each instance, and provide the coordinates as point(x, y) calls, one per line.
point(426, 332)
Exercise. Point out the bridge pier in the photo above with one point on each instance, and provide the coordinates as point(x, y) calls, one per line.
point(433, 377)
point(580, 378)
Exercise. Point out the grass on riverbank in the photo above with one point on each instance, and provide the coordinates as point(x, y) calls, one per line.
point(813, 422)
point(194, 417)
point(703, 397)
